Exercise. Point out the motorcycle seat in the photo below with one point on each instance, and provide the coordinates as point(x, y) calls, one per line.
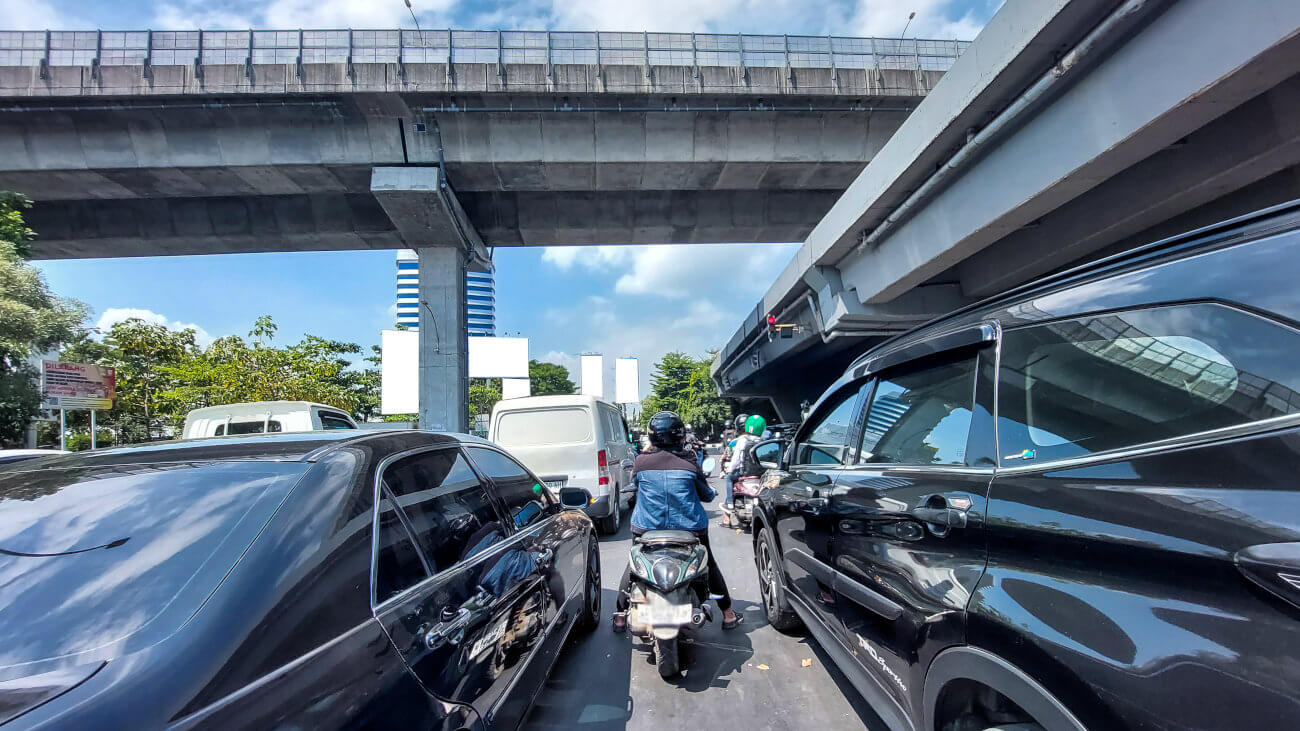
point(667, 538)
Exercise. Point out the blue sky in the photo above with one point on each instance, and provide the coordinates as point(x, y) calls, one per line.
point(621, 301)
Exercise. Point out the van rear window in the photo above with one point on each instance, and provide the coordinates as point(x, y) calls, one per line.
point(544, 426)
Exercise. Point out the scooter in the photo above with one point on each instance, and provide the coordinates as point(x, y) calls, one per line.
point(669, 592)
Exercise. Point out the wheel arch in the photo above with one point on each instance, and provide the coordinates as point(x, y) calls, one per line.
point(985, 668)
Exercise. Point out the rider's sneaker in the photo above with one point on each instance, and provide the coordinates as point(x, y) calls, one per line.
point(619, 622)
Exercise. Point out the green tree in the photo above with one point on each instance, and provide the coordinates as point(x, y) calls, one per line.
point(682, 384)
point(142, 354)
point(484, 393)
point(549, 378)
point(33, 321)
point(232, 370)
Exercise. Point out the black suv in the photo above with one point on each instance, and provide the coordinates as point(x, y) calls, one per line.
point(1076, 505)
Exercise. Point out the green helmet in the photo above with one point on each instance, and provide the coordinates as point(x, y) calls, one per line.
point(755, 425)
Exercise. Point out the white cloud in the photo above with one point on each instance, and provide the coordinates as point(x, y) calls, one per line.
point(934, 19)
point(115, 315)
point(298, 14)
point(674, 271)
point(33, 15)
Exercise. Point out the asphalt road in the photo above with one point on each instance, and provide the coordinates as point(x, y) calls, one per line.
point(606, 682)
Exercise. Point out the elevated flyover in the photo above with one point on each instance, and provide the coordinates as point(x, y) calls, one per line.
point(146, 143)
point(1069, 130)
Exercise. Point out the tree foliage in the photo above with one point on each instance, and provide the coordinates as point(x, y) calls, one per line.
point(682, 384)
point(549, 378)
point(33, 321)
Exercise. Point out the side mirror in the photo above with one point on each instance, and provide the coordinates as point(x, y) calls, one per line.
point(768, 453)
point(574, 498)
point(710, 464)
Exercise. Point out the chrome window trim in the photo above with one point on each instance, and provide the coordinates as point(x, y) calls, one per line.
point(461, 566)
point(1250, 428)
point(374, 519)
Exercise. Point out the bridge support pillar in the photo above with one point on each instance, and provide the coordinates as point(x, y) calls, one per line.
point(444, 346)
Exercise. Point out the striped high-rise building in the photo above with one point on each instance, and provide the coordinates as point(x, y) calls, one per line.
point(480, 296)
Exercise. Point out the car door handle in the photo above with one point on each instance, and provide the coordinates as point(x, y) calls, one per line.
point(447, 631)
point(1273, 566)
point(945, 517)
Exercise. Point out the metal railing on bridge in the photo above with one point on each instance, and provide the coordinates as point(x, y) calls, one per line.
point(249, 47)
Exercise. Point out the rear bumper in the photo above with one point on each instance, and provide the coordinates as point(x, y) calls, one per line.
point(602, 507)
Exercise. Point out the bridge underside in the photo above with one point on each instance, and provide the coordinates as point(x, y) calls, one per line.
point(208, 174)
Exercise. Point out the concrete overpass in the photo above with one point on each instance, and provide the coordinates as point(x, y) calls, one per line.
point(1070, 129)
point(193, 142)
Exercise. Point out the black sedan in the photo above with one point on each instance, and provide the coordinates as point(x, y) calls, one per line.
point(319, 580)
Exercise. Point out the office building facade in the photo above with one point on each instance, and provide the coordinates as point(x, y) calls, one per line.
point(480, 297)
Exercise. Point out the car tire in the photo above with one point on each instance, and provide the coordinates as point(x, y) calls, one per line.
point(609, 524)
point(771, 584)
point(590, 615)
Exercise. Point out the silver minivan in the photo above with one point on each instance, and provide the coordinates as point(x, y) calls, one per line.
point(572, 441)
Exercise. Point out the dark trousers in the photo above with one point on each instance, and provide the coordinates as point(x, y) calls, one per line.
point(717, 584)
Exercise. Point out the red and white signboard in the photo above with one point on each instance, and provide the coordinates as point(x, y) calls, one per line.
point(77, 386)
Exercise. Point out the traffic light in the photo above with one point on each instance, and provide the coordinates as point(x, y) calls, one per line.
point(771, 326)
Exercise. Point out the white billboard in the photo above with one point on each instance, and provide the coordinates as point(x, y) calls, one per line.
point(399, 379)
point(593, 375)
point(515, 388)
point(498, 357)
point(399, 383)
point(627, 381)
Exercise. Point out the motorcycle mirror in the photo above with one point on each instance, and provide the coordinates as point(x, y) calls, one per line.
point(709, 465)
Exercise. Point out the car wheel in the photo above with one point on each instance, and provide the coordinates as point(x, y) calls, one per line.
point(590, 616)
point(610, 523)
point(771, 585)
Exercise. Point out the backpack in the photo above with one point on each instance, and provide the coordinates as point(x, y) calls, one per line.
point(749, 466)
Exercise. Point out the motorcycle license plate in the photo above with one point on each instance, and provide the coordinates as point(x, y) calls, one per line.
point(658, 611)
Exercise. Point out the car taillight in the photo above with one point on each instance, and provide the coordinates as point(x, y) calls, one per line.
point(602, 461)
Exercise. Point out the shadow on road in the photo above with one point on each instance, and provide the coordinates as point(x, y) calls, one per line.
point(575, 697)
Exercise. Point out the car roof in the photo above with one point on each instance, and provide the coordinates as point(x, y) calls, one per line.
point(283, 447)
point(259, 407)
point(533, 402)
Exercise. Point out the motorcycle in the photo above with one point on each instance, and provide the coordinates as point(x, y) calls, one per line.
point(744, 495)
point(669, 592)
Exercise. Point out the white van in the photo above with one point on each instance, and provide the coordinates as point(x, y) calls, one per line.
point(571, 441)
point(263, 417)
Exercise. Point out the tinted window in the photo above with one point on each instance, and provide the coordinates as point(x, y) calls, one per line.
point(825, 442)
point(614, 427)
point(397, 564)
point(920, 414)
point(250, 427)
point(526, 500)
point(332, 421)
point(544, 426)
point(443, 500)
point(1092, 384)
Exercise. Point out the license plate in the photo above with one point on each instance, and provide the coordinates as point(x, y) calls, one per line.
point(658, 612)
point(556, 484)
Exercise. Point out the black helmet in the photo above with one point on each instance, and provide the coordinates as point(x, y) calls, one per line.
point(740, 422)
point(667, 430)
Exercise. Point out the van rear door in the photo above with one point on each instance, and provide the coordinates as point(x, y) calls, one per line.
point(557, 443)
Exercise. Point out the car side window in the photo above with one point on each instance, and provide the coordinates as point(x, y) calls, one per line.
point(614, 426)
point(398, 566)
point(526, 499)
point(826, 442)
point(920, 413)
point(332, 421)
point(1092, 384)
point(443, 502)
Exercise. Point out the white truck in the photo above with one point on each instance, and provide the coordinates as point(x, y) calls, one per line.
point(263, 417)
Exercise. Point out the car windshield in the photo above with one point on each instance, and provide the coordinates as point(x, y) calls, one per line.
point(91, 556)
